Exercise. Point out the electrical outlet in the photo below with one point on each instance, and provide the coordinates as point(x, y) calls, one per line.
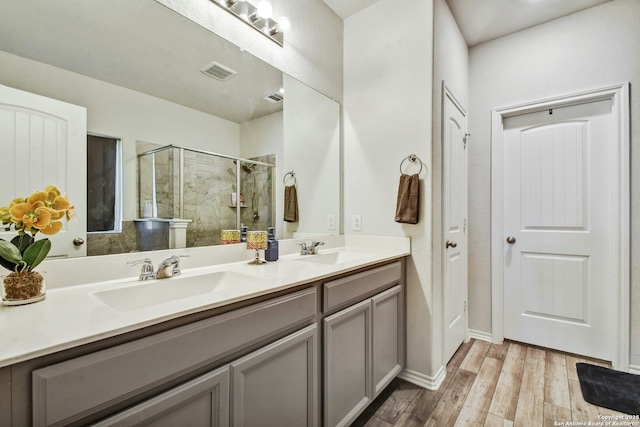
point(356, 222)
point(331, 222)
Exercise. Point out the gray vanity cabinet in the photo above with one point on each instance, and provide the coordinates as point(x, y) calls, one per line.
point(347, 363)
point(273, 386)
point(388, 337)
point(278, 384)
point(203, 401)
point(316, 355)
point(80, 390)
point(364, 342)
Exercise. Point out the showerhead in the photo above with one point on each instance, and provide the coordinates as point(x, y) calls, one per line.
point(246, 168)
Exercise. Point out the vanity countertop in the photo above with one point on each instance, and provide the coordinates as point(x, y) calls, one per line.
point(78, 314)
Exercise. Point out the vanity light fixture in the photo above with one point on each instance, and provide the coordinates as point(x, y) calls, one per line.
point(258, 17)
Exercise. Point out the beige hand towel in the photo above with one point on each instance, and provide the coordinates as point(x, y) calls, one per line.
point(290, 204)
point(408, 199)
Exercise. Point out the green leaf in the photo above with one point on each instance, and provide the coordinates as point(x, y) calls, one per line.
point(36, 253)
point(22, 242)
point(11, 266)
point(9, 252)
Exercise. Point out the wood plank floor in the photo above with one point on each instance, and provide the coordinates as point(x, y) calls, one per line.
point(489, 385)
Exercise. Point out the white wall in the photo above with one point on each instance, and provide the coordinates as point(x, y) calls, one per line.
point(594, 48)
point(312, 151)
point(123, 113)
point(450, 65)
point(387, 116)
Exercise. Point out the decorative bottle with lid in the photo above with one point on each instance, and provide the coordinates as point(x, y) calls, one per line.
point(271, 253)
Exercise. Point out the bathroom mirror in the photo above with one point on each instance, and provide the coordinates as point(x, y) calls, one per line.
point(144, 73)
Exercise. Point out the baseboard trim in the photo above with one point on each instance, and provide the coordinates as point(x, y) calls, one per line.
point(479, 335)
point(422, 380)
point(634, 369)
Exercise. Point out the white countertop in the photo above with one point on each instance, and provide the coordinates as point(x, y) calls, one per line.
point(73, 313)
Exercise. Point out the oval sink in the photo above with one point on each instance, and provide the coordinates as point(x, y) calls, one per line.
point(160, 291)
point(333, 258)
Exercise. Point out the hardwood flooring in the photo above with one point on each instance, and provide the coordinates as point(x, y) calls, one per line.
point(489, 385)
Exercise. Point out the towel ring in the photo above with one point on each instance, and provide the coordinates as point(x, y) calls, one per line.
point(412, 158)
point(293, 176)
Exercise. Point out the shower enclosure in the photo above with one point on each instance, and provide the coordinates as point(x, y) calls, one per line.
point(202, 191)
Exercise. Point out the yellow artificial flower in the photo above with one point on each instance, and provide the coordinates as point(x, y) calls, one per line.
point(32, 217)
point(52, 228)
point(52, 198)
point(5, 215)
point(42, 212)
point(70, 213)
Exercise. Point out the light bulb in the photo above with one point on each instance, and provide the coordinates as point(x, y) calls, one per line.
point(264, 9)
point(284, 25)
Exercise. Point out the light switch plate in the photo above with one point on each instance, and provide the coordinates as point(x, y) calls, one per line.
point(356, 222)
point(331, 222)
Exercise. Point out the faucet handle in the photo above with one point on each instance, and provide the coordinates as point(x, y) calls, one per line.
point(314, 247)
point(304, 249)
point(146, 272)
point(146, 262)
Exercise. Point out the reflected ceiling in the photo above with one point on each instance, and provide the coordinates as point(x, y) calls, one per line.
point(128, 43)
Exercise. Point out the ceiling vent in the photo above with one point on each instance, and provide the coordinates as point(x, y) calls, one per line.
point(218, 71)
point(274, 97)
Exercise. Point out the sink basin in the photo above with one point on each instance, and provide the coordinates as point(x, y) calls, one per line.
point(333, 258)
point(160, 291)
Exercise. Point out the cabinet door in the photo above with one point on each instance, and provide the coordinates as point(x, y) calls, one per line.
point(200, 402)
point(388, 336)
point(277, 385)
point(347, 364)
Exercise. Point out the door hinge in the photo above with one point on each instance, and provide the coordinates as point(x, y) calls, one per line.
point(465, 140)
point(465, 306)
point(464, 226)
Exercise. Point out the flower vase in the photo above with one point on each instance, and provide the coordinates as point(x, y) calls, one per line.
point(23, 288)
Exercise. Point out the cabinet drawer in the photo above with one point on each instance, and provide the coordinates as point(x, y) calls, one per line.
point(348, 290)
point(74, 389)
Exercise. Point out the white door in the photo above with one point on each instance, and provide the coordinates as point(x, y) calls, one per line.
point(454, 213)
point(559, 233)
point(43, 142)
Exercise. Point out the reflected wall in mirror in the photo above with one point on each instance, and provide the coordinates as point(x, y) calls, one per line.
point(144, 83)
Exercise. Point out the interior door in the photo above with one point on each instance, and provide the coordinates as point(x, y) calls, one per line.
point(454, 134)
point(43, 143)
point(558, 228)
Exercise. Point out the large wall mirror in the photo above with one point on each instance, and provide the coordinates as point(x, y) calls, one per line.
point(138, 68)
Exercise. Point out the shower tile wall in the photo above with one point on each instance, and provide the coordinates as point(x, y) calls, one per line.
point(113, 243)
point(208, 183)
point(258, 215)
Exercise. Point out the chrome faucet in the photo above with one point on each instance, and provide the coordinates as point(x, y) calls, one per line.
point(169, 267)
point(311, 249)
point(146, 273)
point(314, 247)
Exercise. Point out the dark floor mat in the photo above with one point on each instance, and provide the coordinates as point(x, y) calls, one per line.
point(611, 389)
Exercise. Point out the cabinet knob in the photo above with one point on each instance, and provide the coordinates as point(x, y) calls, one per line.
point(511, 240)
point(450, 244)
point(78, 241)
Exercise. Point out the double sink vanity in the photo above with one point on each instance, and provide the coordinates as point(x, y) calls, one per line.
point(308, 340)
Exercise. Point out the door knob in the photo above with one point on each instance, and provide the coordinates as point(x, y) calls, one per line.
point(511, 240)
point(78, 241)
point(450, 244)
